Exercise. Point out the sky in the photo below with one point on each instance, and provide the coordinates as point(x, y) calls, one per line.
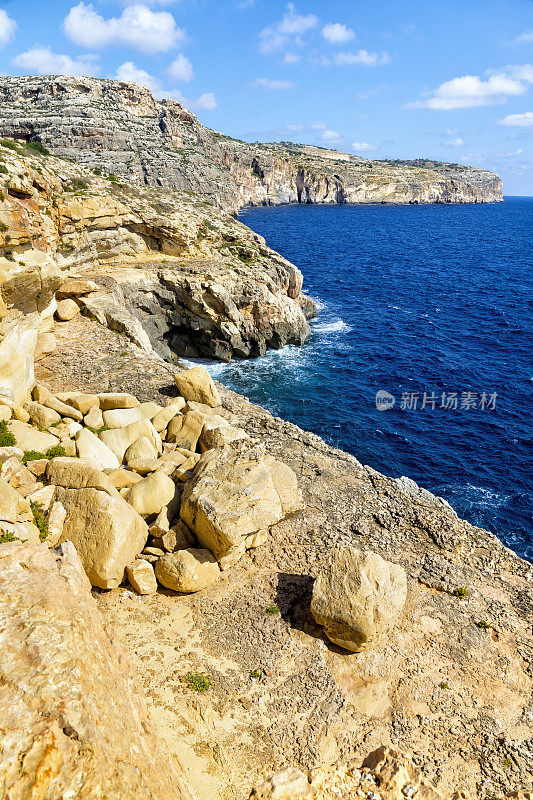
point(449, 80)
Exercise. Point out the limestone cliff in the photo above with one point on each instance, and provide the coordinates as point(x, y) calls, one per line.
point(118, 127)
point(172, 271)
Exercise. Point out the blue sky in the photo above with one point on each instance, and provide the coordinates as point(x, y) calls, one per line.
point(448, 80)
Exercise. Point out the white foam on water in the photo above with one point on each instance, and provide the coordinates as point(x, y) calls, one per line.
point(331, 327)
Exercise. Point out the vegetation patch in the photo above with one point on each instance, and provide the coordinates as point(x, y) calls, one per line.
point(38, 147)
point(55, 451)
point(6, 536)
point(32, 455)
point(461, 591)
point(40, 520)
point(198, 682)
point(271, 610)
point(6, 437)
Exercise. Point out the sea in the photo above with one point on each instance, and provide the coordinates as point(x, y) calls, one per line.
point(419, 362)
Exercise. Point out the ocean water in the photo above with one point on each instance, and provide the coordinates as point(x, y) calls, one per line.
point(413, 300)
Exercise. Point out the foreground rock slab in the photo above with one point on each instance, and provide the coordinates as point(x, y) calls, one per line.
point(72, 722)
point(358, 597)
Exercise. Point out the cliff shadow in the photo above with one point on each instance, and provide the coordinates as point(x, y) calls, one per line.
point(293, 598)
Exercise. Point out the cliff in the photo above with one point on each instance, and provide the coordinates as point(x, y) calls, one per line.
point(118, 127)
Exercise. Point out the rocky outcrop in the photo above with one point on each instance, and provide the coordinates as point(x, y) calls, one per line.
point(170, 271)
point(118, 127)
point(72, 720)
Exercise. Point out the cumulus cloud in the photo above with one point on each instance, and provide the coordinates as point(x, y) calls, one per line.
point(457, 142)
point(42, 61)
point(337, 33)
point(272, 85)
point(524, 120)
point(288, 31)
point(362, 57)
point(471, 91)
point(8, 27)
point(206, 101)
point(332, 137)
point(132, 74)
point(363, 147)
point(138, 26)
point(181, 69)
point(524, 38)
point(291, 58)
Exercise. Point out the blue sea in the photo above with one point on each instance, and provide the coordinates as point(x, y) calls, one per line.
point(427, 303)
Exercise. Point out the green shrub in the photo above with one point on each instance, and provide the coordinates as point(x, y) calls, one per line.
point(3, 169)
point(97, 171)
point(3, 227)
point(9, 256)
point(40, 520)
point(112, 177)
point(271, 610)
point(6, 536)
point(32, 455)
point(482, 624)
point(38, 147)
point(198, 682)
point(443, 685)
point(6, 437)
point(461, 591)
point(55, 451)
point(9, 144)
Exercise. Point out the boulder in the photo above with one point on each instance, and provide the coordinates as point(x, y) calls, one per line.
point(17, 352)
point(42, 395)
point(149, 410)
point(217, 432)
point(185, 430)
point(105, 530)
point(196, 384)
point(151, 494)
point(187, 570)
point(74, 721)
point(119, 439)
point(179, 537)
point(92, 449)
point(123, 478)
point(83, 402)
point(141, 576)
point(25, 532)
point(357, 597)
point(12, 505)
point(5, 413)
point(120, 417)
point(109, 400)
point(75, 287)
point(18, 476)
point(94, 418)
point(46, 344)
point(41, 416)
point(140, 449)
point(56, 521)
point(29, 438)
point(233, 494)
point(67, 309)
point(9, 452)
point(163, 417)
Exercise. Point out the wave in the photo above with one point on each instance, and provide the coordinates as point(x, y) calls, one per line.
point(331, 327)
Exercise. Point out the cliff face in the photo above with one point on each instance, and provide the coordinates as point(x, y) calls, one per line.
point(172, 271)
point(118, 127)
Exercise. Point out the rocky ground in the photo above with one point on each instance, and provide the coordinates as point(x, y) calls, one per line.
point(118, 127)
point(451, 685)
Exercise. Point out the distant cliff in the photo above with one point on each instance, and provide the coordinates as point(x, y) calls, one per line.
point(119, 128)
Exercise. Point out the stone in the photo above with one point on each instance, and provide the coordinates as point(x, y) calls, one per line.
point(142, 448)
point(121, 417)
point(72, 710)
point(75, 287)
point(92, 449)
point(179, 401)
point(44, 497)
point(232, 495)
point(18, 476)
point(151, 494)
point(83, 402)
point(5, 413)
point(17, 352)
point(68, 446)
point(9, 452)
point(28, 438)
point(187, 570)
point(179, 537)
point(41, 416)
point(287, 784)
point(153, 551)
point(110, 400)
point(141, 576)
point(123, 478)
point(46, 344)
point(217, 432)
point(119, 439)
point(197, 385)
point(38, 467)
point(76, 473)
point(72, 427)
point(12, 505)
point(94, 418)
point(42, 395)
point(25, 532)
point(67, 310)
point(149, 410)
point(162, 418)
point(201, 408)
point(357, 597)
point(56, 521)
point(188, 432)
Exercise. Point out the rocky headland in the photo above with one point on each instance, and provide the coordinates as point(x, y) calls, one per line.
point(197, 599)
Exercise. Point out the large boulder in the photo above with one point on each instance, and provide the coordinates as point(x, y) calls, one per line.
point(73, 722)
point(17, 350)
point(357, 597)
point(91, 448)
point(151, 494)
point(105, 530)
point(29, 438)
point(187, 570)
point(119, 439)
point(196, 384)
point(234, 493)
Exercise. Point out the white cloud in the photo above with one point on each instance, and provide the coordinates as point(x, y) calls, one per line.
point(43, 61)
point(524, 120)
point(181, 69)
point(363, 147)
point(8, 27)
point(206, 101)
point(294, 128)
point(331, 136)
point(318, 126)
point(289, 29)
point(138, 26)
point(337, 33)
point(291, 58)
point(471, 91)
point(131, 74)
point(362, 57)
point(524, 38)
point(457, 142)
point(272, 85)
